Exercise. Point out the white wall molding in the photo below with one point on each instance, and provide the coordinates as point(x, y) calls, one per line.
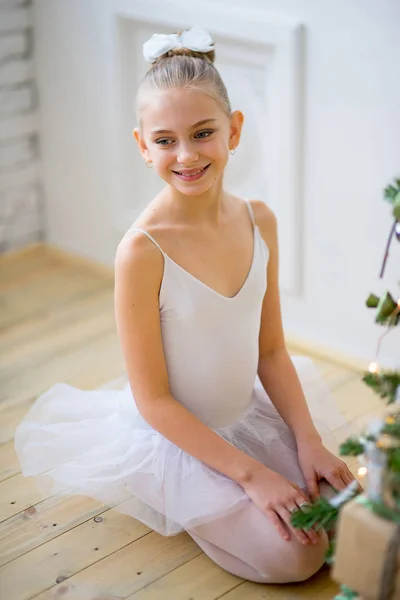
point(260, 57)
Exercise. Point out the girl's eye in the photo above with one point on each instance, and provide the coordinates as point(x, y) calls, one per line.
point(204, 134)
point(199, 135)
point(164, 142)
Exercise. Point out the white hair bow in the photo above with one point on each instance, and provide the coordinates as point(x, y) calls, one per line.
point(196, 39)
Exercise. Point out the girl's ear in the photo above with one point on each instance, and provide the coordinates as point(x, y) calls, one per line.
point(235, 131)
point(141, 144)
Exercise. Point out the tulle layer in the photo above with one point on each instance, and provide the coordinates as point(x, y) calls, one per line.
point(95, 443)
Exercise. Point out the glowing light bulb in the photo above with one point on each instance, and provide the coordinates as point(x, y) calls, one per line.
point(362, 471)
point(373, 367)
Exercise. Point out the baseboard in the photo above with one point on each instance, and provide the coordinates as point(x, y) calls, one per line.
point(64, 256)
point(9, 256)
point(79, 261)
point(325, 353)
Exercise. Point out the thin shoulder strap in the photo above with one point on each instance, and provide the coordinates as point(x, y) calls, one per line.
point(251, 213)
point(146, 233)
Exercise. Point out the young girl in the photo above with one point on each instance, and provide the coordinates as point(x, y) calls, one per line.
point(213, 434)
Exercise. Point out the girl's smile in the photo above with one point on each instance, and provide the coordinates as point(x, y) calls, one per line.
point(191, 174)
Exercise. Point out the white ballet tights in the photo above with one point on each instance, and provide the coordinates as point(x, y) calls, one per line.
point(247, 544)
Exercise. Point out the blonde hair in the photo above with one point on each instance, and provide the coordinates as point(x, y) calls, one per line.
point(184, 68)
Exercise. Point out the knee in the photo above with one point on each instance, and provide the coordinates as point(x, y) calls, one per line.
point(298, 563)
point(304, 561)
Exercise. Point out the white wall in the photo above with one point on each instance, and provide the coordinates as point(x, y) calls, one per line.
point(352, 130)
point(351, 133)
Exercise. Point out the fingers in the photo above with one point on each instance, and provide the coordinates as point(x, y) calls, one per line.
point(281, 517)
point(300, 497)
point(347, 476)
point(301, 500)
point(303, 536)
point(278, 523)
point(340, 477)
point(312, 486)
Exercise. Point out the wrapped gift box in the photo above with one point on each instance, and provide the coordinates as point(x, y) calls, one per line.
point(362, 545)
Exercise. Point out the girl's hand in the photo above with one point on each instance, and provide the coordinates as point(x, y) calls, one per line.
point(278, 498)
point(316, 462)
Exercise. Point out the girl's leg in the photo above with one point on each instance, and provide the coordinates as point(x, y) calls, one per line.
point(228, 562)
point(248, 545)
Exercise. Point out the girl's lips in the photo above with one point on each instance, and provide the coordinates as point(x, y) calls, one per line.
point(191, 176)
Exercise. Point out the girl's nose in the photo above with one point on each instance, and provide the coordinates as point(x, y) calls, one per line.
point(187, 155)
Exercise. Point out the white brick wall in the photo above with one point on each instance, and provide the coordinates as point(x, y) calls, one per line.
point(21, 195)
point(13, 18)
point(12, 44)
point(15, 100)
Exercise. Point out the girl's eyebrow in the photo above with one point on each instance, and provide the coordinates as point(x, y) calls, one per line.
point(158, 131)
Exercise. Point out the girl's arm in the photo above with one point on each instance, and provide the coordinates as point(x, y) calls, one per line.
point(138, 275)
point(276, 370)
point(280, 380)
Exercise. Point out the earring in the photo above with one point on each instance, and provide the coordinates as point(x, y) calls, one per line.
point(232, 151)
point(149, 164)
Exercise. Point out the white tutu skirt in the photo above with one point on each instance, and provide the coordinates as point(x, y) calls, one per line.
point(95, 443)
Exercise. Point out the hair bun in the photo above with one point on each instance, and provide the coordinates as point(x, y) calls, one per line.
point(209, 56)
point(182, 60)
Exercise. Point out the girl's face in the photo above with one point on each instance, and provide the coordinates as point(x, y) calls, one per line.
point(187, 136)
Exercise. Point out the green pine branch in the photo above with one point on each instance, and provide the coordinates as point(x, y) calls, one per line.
point(394, 460)
point(330, 554)
point(319, 514)
point(346, 594)
point(392, 429)
point(351, 447)
point(384, 384)
point(387, 312)
point(391, 192)
point(392, 195)
point(381, 509)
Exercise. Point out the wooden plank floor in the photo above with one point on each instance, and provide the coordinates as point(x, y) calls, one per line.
point(57, 325)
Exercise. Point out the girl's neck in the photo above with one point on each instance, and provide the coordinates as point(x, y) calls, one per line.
point(206, 208)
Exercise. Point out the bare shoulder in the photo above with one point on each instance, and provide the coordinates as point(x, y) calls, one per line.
point(137, 257)
point(265, 220)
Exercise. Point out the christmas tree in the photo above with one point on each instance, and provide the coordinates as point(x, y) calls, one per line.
point(378, 447)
